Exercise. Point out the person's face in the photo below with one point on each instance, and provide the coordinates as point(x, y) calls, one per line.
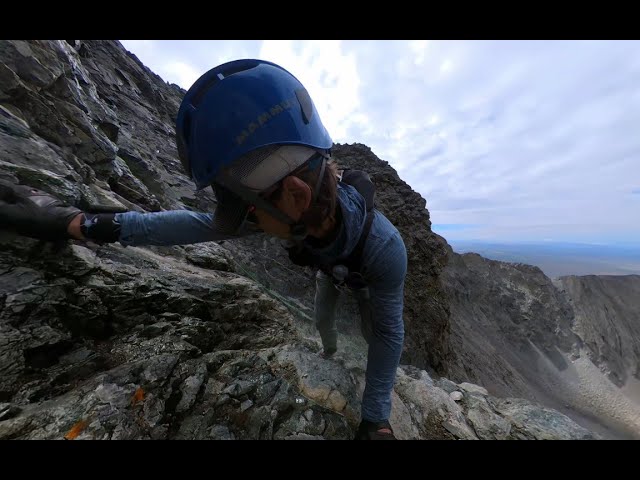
point(292, 198)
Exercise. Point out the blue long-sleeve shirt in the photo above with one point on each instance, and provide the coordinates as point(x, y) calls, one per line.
point(173, 227)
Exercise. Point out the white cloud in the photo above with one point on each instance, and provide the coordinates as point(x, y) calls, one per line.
point(446, 66)
point(419, 49)
point(179, 73)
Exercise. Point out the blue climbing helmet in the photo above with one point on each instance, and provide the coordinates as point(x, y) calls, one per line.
point(243, 126)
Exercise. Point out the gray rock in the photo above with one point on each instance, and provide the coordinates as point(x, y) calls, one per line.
point(446, 385)
point(486, 423)
point(534, 421)
point(303, 436)
point(471, 388)
point(606, 318)
point(246, 405)
point(220, 432)
point(456, 396)
point(431, 410)
point(7, 411)
point(190, 388)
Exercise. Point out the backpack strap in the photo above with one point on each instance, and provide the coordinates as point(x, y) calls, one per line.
point(353, 262)
point(361, 181)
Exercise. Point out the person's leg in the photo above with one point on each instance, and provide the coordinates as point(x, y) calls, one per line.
point(366, 312)
point(325, 312)
point(386, 337)
point(385, 348)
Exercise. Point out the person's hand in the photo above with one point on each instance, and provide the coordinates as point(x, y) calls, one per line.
point(34, 213)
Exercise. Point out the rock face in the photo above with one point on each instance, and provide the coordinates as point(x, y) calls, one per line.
point(138, 343)
point(214, 341)
point(89, 117)
point(572, 346)
point(504, 317)
point(128, 343)
point(607, 318)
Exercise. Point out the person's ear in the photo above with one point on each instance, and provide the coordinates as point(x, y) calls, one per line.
point(298, 193)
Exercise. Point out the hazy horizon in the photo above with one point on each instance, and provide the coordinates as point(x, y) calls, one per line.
point(558, 259)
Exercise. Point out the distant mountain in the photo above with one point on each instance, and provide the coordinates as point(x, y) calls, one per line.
point(570, 344)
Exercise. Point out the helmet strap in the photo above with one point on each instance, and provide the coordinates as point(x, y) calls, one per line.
point(316, 190)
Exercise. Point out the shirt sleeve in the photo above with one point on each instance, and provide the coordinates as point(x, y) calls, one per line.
point(173, 227)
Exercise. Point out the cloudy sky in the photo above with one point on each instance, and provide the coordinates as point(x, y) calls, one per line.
point(506, 140)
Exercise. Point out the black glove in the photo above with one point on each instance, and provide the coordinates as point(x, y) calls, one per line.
point(34, 213)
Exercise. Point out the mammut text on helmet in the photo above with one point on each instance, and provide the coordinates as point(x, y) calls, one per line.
point(264, 117)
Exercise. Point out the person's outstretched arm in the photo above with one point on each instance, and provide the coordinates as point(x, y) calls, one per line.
point(37, 214)
point(173, 227)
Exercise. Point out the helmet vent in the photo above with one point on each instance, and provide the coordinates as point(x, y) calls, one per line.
point(197, 98)
point(239, 68)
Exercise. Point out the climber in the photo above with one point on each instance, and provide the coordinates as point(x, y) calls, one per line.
point(249, 129)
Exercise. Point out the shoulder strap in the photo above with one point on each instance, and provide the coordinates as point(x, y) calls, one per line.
point(355, 259)
point(361, 181)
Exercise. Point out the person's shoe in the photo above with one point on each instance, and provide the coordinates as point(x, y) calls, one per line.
point(374, 431)
point(327, 354)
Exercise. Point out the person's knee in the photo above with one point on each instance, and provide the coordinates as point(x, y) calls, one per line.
point(392, 339)
point(391, 331)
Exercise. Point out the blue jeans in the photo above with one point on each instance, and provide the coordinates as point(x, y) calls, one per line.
point(380, 305)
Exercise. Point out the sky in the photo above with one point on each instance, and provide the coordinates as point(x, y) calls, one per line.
point(508, 141)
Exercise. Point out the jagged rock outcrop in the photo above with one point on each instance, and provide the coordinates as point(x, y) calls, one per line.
point(504, 317)
point(607, 318)
point(514, 332)
point(132, 343)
